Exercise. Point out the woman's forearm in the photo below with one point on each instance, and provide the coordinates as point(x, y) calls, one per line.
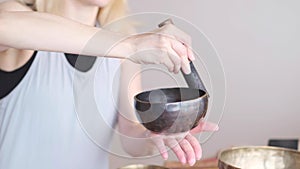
point(42, 31)
point(134, 138)
point(132, 134)
point(30, 30)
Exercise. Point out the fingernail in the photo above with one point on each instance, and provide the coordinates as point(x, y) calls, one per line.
point(199, 155)
point(192, 162)
point(188, 71)
point(183, 161)
point(192, 57)
point(165, 156)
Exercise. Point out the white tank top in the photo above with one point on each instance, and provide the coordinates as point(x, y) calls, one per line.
point(39, 128)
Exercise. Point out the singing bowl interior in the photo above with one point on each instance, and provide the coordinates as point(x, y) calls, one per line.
point(171, 110)
point(140, 166)
point(259, 158)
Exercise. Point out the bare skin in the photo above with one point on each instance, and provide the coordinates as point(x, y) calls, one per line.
point(71, 30)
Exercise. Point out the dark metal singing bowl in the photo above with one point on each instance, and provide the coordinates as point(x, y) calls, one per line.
point(173, 110)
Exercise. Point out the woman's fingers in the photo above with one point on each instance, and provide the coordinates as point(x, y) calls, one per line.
point(175, 59)
point(186, 68)
point(188, 150)
point(196, 145)
point(160, 145)
point(173, 144)
point(180, 43)
point(190, 52)
point(179, 59)
point(172, 67)
point(186, 147)
point(182, 51)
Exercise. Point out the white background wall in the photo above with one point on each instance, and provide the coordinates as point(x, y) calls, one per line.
point(258, 42)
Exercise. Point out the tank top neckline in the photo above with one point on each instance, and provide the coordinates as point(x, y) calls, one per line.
point(9, 80)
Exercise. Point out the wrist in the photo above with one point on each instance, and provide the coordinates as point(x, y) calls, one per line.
point(124, 48)
point(106, 43)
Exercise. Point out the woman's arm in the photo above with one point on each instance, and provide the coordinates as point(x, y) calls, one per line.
point(25, 29)
point(42, 31)
point(22, 28)
point(130, 130)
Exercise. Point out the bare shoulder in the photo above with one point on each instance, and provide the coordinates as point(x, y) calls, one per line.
point(12, 5)
point(10, 58)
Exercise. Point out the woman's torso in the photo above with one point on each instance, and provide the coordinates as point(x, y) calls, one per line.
point(39, 125)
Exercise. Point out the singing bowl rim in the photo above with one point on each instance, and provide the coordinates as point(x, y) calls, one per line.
point(141, 166)
point(185, 101)
point(231, 166)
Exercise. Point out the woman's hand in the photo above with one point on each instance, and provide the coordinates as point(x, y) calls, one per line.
point(185, 146)
point(167, 45)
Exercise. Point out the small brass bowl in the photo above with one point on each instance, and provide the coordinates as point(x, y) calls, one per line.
point(259, 157)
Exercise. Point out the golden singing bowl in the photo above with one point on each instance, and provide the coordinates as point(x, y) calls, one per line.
point(259, 157)
point(141, 166)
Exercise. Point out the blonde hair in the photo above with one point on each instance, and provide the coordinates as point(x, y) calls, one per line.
point(113, 11)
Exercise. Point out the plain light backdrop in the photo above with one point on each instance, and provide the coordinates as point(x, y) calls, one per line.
point(258, 43)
